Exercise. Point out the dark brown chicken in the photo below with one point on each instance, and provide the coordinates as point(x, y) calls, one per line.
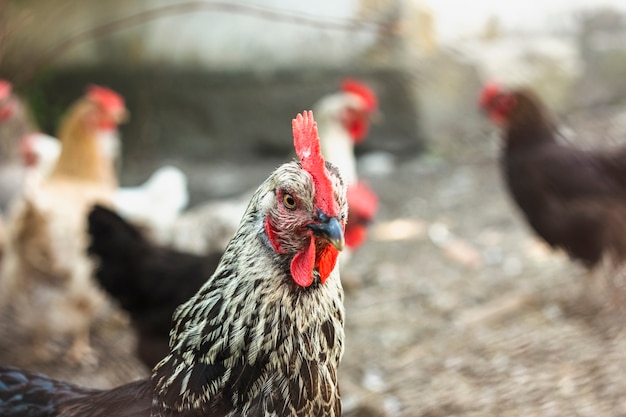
point(262, 337)
point(574, 199)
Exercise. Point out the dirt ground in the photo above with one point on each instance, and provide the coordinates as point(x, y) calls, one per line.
point(453, 309)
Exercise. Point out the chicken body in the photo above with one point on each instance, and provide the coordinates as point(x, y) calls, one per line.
point(158, 202)
point(46, 273)
point(574, 199)
point(206, 228)
point(264, 334)
point(148, 281)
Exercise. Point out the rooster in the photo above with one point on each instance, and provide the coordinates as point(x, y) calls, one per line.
point(574, 199)
point(148, 281)
point(45, 268)
point(262, 337)
point(344, 121)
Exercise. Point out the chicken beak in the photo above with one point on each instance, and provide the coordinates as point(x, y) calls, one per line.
point(330, 229)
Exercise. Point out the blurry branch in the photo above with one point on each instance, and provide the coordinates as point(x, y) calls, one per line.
point(146, 16)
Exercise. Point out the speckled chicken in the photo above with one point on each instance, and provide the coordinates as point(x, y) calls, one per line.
point(46, 273)
point(262, 337)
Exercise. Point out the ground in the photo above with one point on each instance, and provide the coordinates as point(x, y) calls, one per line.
point(453, 309)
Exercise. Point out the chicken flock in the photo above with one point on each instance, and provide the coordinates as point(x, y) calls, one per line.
point(237, 304)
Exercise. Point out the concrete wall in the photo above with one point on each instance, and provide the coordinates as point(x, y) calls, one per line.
point(216, 35)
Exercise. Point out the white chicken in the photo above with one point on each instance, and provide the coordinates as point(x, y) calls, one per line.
point(157, 203)
point(343, 120)
point(206, 228)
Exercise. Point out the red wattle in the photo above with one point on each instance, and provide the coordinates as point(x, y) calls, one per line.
point(358, 129)
point(271, 236)
point(302, 265)
point(355, 236)
point(326, 261)
point(28, 154)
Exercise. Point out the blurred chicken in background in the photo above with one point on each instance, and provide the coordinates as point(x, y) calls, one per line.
point(206, 228)
point(35, 153)
point(344, 120)
point(154, 204)
point(46, 273)
point(574, 199)
point(157, 203)
point(14, 124)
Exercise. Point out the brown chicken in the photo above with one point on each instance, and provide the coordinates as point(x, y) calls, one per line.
point(264, 334)
point(46, 272)
point(574, 199)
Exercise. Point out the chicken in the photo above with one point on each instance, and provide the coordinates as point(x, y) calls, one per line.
point(155, 204)
point(36, 150)
point(574, 199)
point(14, 122)
point(344, 120)
point(158, 202)
point(149, 282)
point(40, 153)
point(206, 228)
point(262, 337)
point(45, 268)
point(363, 205)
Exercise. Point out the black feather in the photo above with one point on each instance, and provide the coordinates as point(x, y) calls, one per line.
point(148, 281)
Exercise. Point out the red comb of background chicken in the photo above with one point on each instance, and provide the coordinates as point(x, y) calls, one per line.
point(360, 89)
point(307, 143)
point(489, 91)
point(5, 89)
point(106, 97)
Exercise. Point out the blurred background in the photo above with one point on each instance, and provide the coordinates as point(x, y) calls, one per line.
point(453, 305)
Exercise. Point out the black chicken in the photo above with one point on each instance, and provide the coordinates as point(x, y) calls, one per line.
point(574, 199)
point(148, 281)
point(262, 337)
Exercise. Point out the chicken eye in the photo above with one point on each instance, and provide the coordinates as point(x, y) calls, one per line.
point(289, 201)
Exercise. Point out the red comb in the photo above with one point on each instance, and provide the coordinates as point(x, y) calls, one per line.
point(5, 89)
point(106, 97)
point(307, 143)
point(350, 85)
point(489, 91)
